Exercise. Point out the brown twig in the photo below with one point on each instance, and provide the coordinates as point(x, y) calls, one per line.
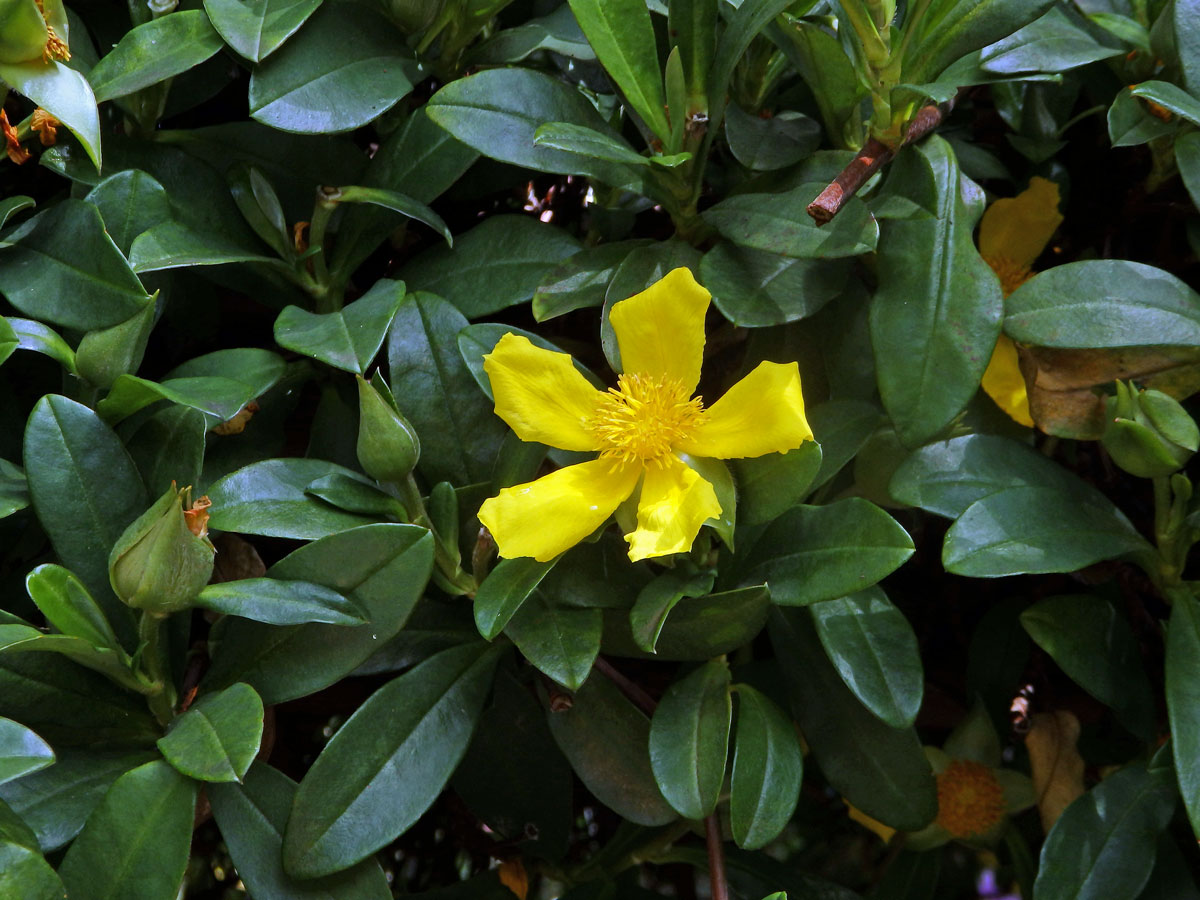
point(869, 160)
point(633, 692)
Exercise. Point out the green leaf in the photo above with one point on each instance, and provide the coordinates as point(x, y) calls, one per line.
point(130, 202)
point(498, 111)
point(842, 428)
point(881, 770)
point(140, 856)
point(581, 280)
point(64, 93)
point(169, 446)
point(689, 739)
point(1173, 98)
point(744, 25)
point(1186, 26)
point(766, 144)
point(827, 69)
point(396, 202)
point(561, 641)
point(35, 336)
point(936, 315)
point(1094, 644)
point(280, 602)
point(357, 496)
point(382, 569)
point(1103, 303)
point(24, 872)
point(874, 649)
point(21, 751)
point(961, 28)
point(496, 264)
point(349, 338)
point(1183, 699)
point(606, 740)
point(68, 255)
point(458, 428)
point(388, 763)
point(14, 489)
point(257, 28)
point(1130, 122)
point(656, 600)
point(113, 664)
point(1022, 530)
point(692, 25)
point(814, 553)
point(557, 31)
point(770, 485)
point(1102, 846)
point(767, 769)
point(269, 498)
point(1056, 42)
point(339, 73)
point(501, 594)
point(218, 737)
point(698, 628)
point(620, 33)
point(68, 606)
point(779, 224)
point(754, 288)
point(589, 142)
point(1187, 156)
point(153, 52)
point(10, 206)
point(252, 817)
point(85, 490)
point(218, 398)
point(173, 245)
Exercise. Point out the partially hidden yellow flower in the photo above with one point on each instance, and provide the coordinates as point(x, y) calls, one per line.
point(1012, 235)
point(642, 429)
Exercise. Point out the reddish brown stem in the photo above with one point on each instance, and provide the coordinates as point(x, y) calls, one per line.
point(633, 692)
point(716, 858)
point(869, 160)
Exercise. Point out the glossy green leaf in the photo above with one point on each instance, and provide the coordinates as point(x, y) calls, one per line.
point(113, 664)
point(25, 873)
point(68, 606)
point(775, 142)
point(1035, 530)
point(829, 71)
point(1183, 699)
point(42, 339)
point(1187, 157)
point(561, 641)
point(1171, 98)
point(754, 288)
point(64, 93)
point(874, 649)
point(174, 245)
point(340, 72)
point(1131, 123)
point(814, 553)
point(581, 280)
point(382, 568)
point(744, 25)
point(269, 498)
point(589, 142)
point(153, 52)
point(280, 602)
point(252, 817)
point(1056, 42)
point(1187, 41)
point(458, 428)
point(218, 737)
point(257, 28)
point(104, 356)
point(496, 264)
point(936, 315)
point(1102, 846)
point(620, 33)
point(218, 398)
point(85, 490)
point(961, 28)
point(130, 202)
point(501, 594)
point(770, 485)
point(557, 31)
point(68, 254)
point(689, 739)
point(388, 763)
point(842, 428)
point(134, 857)
point(697, 629)
point(606, 740)
point(396, 202)
point(169, 446)
point(357, 496)
point(21, 751)
point(656, 600)
point(1103, 303)
point(11, 206)
point(347, 339)
point(881, 770)
point(1094, 644)
point(14, 489)
point(767, 768)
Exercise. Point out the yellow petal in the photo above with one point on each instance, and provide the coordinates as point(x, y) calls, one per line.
point(541, 395)
point(1003, 382)
point(1018, 228)
point(551, 515)
point(885, 832)
point(675, 502)
point(660, 331)
point(762, 413)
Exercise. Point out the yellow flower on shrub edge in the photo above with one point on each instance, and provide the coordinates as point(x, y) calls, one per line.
point(1012, 235)
point(641, 428)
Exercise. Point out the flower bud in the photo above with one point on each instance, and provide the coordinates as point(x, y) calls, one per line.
point(388, 447)
point(164, 558)
point(31, 31)
point(1148, 433)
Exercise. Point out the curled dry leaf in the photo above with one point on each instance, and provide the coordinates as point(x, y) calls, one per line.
point(1055, 763)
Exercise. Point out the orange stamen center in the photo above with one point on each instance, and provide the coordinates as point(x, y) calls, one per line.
point(1011, 274)
point(970, 799)
point(644, 417)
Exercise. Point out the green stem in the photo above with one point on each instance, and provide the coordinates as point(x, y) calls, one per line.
point(456, 580)
point(327, 202)
point(152, 632)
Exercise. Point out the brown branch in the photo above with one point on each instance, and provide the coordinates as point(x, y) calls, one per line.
point(633, 692)
point(869, 160)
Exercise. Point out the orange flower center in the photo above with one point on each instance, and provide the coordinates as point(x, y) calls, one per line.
point(1011, 274)
point(644, 417)
point(970, 799)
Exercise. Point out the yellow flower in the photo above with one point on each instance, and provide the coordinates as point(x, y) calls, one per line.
point(1012, 234)
point(640, 428)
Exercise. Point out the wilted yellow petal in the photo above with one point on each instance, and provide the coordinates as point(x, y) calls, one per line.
point(1003, 382)
point(513, 877)
point(1017, 229)
point(1054, 762)
point(549, 516)
point(660, 332)
point(762, 413)
point(675, 502)
point(541, 395)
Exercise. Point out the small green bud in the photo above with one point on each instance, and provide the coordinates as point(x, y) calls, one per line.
point(388, 447)
point(164, 558)
point(1148, 433)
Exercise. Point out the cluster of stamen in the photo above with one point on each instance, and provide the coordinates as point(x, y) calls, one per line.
point(970, 799)
point(56, 47)
point(643, 418)
point(1011, 274)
